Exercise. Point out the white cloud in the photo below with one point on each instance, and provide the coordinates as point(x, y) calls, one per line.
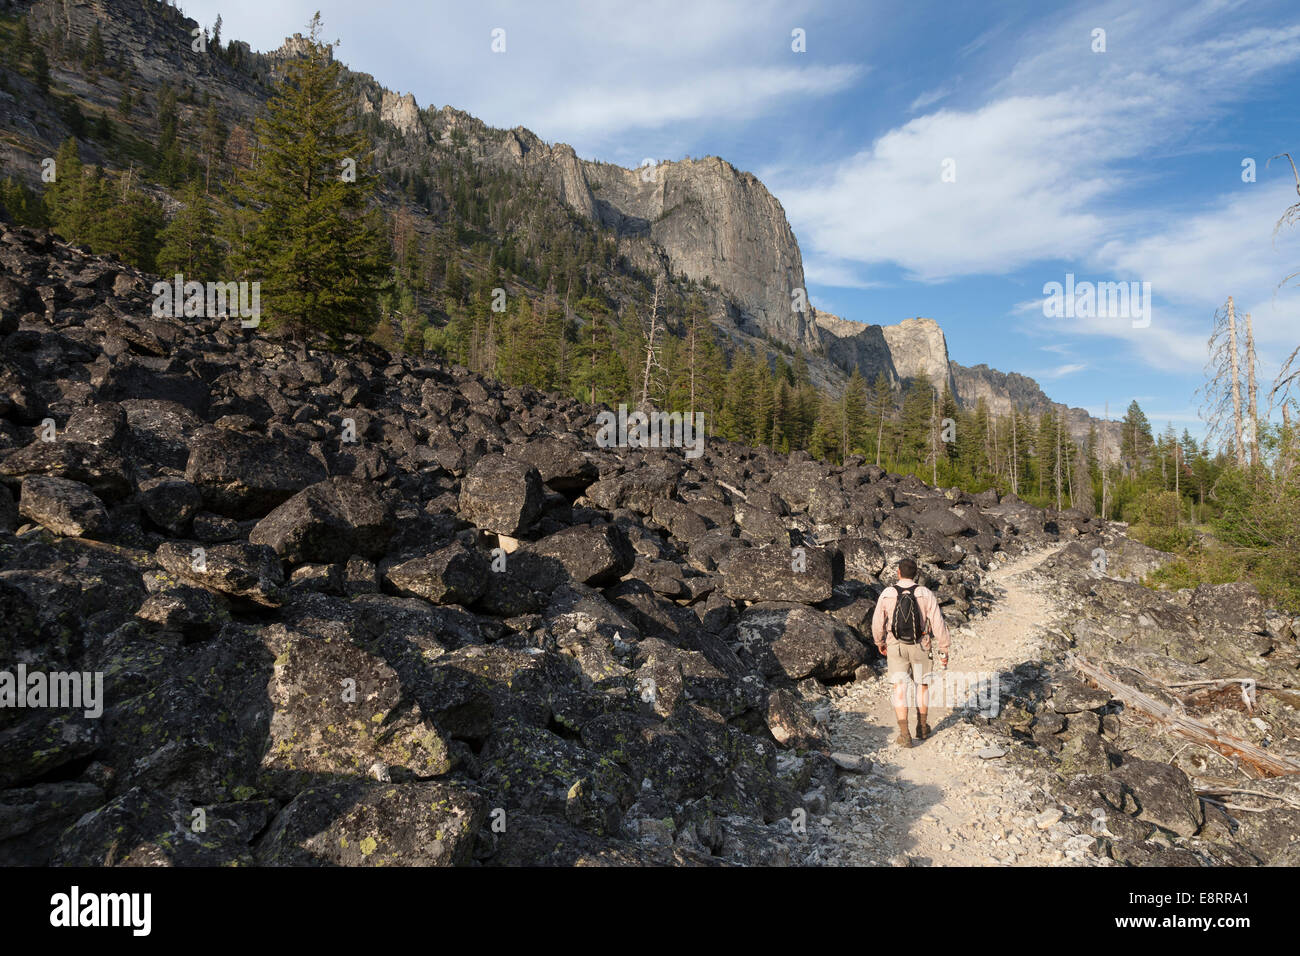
point(1052, 165)
point(651, 103)
point(587, 72)
point(1062, 370)
point(929, 98)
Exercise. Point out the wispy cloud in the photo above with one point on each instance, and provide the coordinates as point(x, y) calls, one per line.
point(1062, 370)
point(586, 72)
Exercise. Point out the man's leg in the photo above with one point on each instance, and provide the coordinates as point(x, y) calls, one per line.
point(900, 674)
point(926, 667)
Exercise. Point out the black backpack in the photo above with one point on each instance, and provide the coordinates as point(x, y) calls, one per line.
point(906, 625)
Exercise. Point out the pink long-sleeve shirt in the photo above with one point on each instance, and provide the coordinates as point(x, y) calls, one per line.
point(929, 607)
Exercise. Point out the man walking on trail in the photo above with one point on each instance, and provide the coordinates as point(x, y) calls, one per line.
point(906, 618)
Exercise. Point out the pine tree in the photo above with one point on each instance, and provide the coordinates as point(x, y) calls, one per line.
point(948, 411)
point(317, 254)
point(22, 39)
point(61, 195)
point(41, 70)
point(213, 143)
point(188, 244)
point(94, 49)
point(916, 421)
point(1135, 437)
point(855, 415)
point(782, 402)
point(973, 441)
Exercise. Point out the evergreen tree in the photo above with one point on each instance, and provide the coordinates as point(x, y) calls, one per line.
point(22, 205)
point(855, 415)
point(319, 258)
point(213, 143)
point(1135, 437)
point(41, 70)
point(824, 442)
point(916, 421)
point(188, 245)
point(948, 410)
point(61, 195)
point(782, 410)
point(22, 39)
point(94, 49)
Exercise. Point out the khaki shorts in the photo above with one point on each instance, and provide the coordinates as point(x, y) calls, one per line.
point(909, 661)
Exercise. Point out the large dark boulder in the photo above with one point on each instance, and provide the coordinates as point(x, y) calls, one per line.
point(245, 476)
point(501, 495)
point(328, 523)
point(372, 824)
point(592, 555)
point(339, 711)
point(799, 642)
point(249, 571)
point(64, 507)
point(455, 574)
point(774, 573)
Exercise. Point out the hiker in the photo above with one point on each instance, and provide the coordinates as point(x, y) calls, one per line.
point(906, 618)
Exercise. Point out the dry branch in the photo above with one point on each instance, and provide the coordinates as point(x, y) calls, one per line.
point(1265, 764)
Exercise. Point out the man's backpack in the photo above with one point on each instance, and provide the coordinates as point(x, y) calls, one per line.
point(907, 625)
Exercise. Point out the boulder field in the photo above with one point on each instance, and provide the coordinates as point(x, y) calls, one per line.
point(361, 608)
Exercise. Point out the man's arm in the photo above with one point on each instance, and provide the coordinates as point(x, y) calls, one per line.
point(934, 617)
point(878, 619)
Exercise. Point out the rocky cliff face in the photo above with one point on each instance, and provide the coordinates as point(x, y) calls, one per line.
point(920, 350)
point(714, 223)
point(702, 219)
point(1002, 391)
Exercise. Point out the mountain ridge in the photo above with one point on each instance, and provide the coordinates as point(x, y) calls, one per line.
point(699, 218)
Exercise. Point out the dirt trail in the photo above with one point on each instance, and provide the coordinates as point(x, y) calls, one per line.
point(951, 800)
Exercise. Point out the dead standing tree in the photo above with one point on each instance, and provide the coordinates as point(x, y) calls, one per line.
point(651, 353)
point(1222, 406)
point(1290, 372)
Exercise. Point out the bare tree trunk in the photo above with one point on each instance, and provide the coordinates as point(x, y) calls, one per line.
point(694, 322)
point(934, 442)
point(594, 319)
point(996, 456)
point(1239, 449)
point(1288, 443)
point(1057, 463)
point(650, 360)
point(1252, 393)
point(1069, 478)
point(1015, 456)
point(1105, 484)
point(880, 434)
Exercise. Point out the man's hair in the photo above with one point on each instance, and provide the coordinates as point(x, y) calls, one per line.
point(907, 569)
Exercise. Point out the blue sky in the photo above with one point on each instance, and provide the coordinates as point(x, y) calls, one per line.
point(1115, 165)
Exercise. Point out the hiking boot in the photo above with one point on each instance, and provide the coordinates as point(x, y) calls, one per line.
point(922, 727)
point(904, 738)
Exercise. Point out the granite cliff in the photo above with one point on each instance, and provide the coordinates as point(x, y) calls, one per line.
point(696, 219)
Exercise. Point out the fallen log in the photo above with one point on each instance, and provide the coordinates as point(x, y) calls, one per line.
point(1255, 758)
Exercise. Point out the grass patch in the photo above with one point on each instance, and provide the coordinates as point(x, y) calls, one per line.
point(1220, 564)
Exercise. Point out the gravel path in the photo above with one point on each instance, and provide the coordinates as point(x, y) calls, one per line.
point(951, 800)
